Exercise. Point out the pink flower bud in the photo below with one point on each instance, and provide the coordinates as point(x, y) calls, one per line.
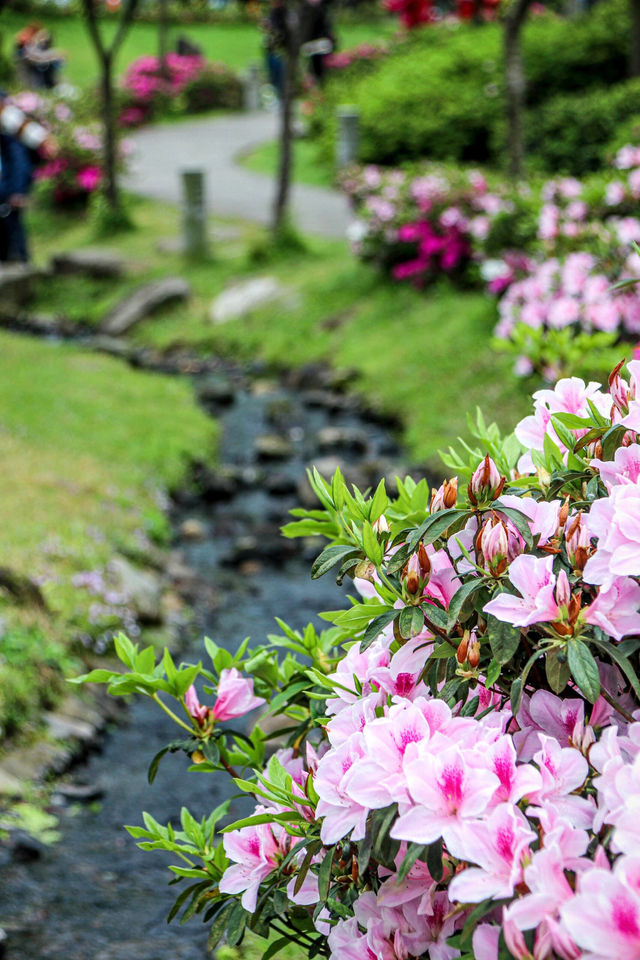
point(563, 590)
point(620, 391)
point(445, 496)
point(514, 938)
point(194, 707)
point(380, 525)
point(494, 544)
point(235, 696)
point(486, 483)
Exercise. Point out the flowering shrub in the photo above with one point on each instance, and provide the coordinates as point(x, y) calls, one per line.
point(191, 84)
point(76, 171)
point(419, 227)
point(362, 53)
point(461, 775)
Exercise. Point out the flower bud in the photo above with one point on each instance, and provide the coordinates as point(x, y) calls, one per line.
point(486, 483)
point(563, 514)
point(423, 560)
point(463, 646)
point(412, 575)
point(473, 656)
point(494, 545)
point(578, 543)
point(194, 708)
point(563, 590)
point(445, 496)
point(380, 525)
point(620, 391)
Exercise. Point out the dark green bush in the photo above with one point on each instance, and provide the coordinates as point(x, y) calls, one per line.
point(573, 133)
point(440, 94)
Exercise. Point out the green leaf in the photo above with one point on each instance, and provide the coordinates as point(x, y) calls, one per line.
point(584, 669)
point(324, 875)
point(303, 871)
point(519, 520)
point(434, 860)
point(410, 622)
point(613, 651)
point(376, 627)
point(95, 676)
point(331, 556)
point(493, 672)
point(153, 766)
point(237, 922)
point(557, 670)
point(372, 548)
point(275, 947)
point(516, 695)
point(414, 852)
point(379, 503)
point(457, 601)
point(504, 639)
point(219, 925)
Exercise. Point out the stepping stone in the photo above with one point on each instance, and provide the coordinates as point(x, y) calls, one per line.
point(16, 283)
point(243, 298)
point(143, 302)
point(271, 446)
point(142, 587)
point(98, 264)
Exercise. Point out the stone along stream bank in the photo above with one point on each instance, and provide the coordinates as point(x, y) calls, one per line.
point(94, 895)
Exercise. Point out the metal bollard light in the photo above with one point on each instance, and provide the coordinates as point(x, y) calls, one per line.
point(194, 216)
point(348, 136)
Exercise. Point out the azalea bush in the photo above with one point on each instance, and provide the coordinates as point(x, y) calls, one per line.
point(460, 768)
point(76, 171)
point(189, 84)
point(418, 227)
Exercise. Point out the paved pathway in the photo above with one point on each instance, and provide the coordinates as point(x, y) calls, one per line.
point(213, 145)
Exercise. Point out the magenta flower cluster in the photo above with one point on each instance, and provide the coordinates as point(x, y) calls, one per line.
point(76, 171)
point(149, 87)
point(418, 228)
point(361, 53)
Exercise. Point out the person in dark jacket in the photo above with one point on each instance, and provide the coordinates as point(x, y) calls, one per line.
point(317, 36)
point(16, 172)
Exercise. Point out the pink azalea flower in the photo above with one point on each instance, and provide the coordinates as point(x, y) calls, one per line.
point(534, 579)
point(447, 790)
point(194, 707)
point(498, 845)
point(235, 696)
point(616, 608)
point(604, 916)
point(341, 813)
point(255, 852)
point(623, 469)
point(615, 521)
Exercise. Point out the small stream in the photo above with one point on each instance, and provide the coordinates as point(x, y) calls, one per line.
point(94, 895)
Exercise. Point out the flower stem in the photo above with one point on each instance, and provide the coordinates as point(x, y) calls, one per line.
point(170, 713)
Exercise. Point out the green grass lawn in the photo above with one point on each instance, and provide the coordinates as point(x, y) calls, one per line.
point(87, 444)
point(309, 166)
point(236, 44)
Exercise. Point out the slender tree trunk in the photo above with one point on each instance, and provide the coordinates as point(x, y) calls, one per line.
point(515, 85)
point(285, 165)
point(634, 61)
point(163, 39)
point(111, 190)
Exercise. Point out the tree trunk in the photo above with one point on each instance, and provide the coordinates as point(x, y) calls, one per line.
point(516, 86)
point(634, 61)
point(163, 39)
point(111, 191)
point(285, 165)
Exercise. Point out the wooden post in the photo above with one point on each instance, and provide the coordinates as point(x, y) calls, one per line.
point(348, 136)
point(194, 214)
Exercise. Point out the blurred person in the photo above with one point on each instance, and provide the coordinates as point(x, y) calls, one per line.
point(317, 36)
point(16, 174)
point(37, 60)
point(275, 27)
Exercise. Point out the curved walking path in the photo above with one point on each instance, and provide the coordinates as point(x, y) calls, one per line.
point(213, 145)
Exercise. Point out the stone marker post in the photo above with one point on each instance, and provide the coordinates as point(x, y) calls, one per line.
point(194, 214)
point(252, 84)
point(348, 136)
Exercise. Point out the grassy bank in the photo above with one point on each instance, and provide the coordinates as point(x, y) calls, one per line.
point(88, 446)
point(236, 44)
